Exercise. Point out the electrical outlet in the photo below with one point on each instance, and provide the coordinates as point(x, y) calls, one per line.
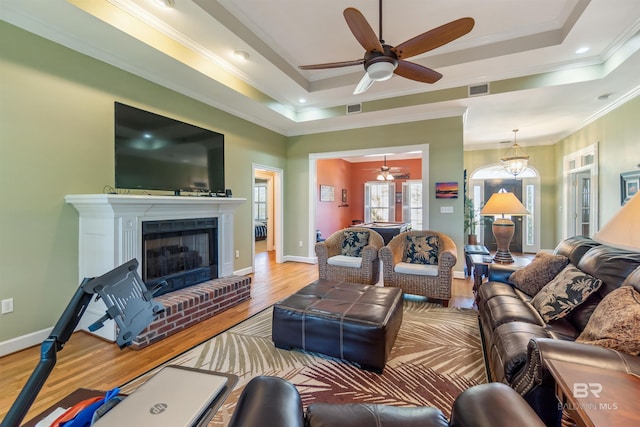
point(237, 254)
point(7, 305)
point(300, 243)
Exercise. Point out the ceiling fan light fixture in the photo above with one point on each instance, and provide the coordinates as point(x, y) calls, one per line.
point(380, 71)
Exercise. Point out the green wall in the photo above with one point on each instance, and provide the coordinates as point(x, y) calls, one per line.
point(542, 159)
point(618, 137)
point(444, 137)
point(56, 138)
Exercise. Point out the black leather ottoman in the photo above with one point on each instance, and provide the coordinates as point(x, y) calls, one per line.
point(354, 322)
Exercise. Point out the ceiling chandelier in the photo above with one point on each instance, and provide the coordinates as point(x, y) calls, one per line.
point(516, 160)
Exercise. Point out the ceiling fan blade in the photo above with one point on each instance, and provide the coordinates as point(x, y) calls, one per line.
point(364, 84)
point(434, 38)
point(332, 65)
point(361, 30)
point(410, 70)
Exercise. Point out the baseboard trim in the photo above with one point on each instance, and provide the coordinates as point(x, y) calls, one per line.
point(295, 258)
point(243, 271)
point(458, 274)
point(25, 341)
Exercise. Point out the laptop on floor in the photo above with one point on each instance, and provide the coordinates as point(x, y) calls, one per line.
point(176, 396)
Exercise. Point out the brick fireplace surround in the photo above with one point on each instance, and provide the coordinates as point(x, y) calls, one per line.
point(110, 234)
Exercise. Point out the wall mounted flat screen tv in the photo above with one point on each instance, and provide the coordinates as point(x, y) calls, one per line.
point(154, 152)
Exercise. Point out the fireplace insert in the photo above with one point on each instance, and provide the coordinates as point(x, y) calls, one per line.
point(181, 253)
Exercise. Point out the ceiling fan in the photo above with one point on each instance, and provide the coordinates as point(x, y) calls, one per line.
point(386, 173)
point(381, 60)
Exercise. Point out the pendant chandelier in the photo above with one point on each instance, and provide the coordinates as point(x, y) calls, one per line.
point(516, 160)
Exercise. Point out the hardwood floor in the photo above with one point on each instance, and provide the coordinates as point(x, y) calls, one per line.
point(90, 362)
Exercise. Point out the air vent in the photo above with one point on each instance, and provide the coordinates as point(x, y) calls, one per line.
point(478, 90)
point(354, 108)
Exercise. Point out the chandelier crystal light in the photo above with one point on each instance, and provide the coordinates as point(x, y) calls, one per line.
point(516, 160)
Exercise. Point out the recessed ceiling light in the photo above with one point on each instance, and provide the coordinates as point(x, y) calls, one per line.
point(302, 101)
point(166, 3)
point(582, 50)
point(241, 54)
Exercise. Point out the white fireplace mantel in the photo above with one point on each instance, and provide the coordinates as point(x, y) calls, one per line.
point(110, 232)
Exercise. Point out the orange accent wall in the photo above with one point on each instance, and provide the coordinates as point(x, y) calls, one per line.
point(330, 217)
point(352, 176)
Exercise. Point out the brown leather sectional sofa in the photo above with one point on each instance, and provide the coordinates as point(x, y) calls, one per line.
point(272, 401)
point(517, 340)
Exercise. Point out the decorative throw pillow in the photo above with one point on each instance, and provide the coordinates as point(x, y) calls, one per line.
point(542, 269)
point(615, 323)
point(353, 242)
point(565, 292)
point(421, 250)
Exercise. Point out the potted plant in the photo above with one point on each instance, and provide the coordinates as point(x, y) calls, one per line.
point(470, 221)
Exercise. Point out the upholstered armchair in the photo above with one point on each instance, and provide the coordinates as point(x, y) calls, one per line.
point(350, 255)
point(420, 262)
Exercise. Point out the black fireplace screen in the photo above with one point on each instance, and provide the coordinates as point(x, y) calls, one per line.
point(181, 253)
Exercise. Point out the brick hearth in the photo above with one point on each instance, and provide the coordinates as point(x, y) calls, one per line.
point(186, 307)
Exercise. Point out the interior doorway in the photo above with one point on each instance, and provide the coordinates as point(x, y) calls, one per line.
point(488, 179)
point(267, 213)
point(581, 192)
point(421, 151)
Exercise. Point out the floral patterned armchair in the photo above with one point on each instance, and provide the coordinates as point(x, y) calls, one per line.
point(420, 262)
point(350, 255)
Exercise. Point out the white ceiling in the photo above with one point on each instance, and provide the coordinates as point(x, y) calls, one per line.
point(524, 49)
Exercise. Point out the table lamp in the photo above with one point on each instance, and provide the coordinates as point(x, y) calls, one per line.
point(503, 203)
point(623, 230)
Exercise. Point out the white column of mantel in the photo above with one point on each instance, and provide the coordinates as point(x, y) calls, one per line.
point(110, 233)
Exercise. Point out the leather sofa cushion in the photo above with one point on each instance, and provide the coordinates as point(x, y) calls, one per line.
point(504, 309)
point(609, 264)
point(494, 405)
point(488, 290)
point(510, 341)
point(580, 315)
point(366, 414)
point(575, 247)
point(562, 329)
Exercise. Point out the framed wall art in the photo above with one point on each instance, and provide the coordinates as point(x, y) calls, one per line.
point(629, 183)
point(446, 190)
point(326, 193)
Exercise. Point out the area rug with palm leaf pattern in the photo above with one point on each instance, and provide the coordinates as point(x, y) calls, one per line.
point(437, 354)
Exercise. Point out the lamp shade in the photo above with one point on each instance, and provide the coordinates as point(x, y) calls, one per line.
point(623, 230)
point(503, 203)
